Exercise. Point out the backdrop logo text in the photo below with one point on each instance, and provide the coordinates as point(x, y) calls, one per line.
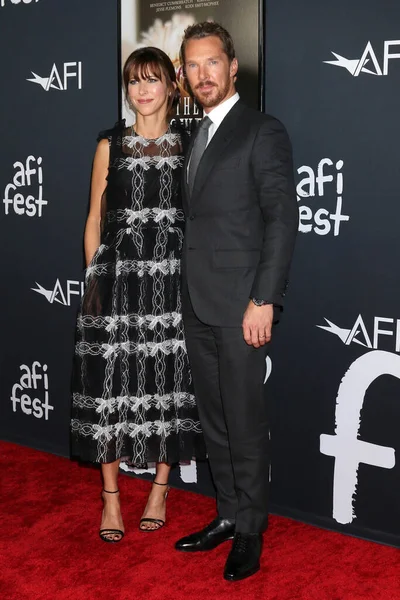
point(61, 78)
point(368, 62)
point(61, 294)
point(7, 2)
point(187, 473)
point(24, 195)
point(324, 184)
point(345, 445)
point(368, 337)
point(31, 394)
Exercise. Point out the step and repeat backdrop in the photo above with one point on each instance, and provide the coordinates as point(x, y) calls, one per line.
point(333, 379)
point(333, 77)
point(58, 65)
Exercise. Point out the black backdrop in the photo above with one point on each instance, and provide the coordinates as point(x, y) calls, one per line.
point(58, 126)
point(345, 280)
point(334, 388)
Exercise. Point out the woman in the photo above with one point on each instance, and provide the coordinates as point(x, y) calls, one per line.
point(133, 397)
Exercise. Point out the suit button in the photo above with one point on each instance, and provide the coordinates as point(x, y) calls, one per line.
point(192, 217)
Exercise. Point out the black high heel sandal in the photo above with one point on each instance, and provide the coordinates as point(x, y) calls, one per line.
point(159, 522)
point(103, 533)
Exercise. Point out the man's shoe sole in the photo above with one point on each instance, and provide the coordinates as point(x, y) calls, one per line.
point(194, 549)
point(244, 576)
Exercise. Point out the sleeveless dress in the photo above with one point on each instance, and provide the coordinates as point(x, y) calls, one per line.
point(132, 387)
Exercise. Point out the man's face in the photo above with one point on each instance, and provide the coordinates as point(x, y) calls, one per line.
point(209, 72)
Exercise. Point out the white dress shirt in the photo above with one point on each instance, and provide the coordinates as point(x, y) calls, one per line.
point(218, 114)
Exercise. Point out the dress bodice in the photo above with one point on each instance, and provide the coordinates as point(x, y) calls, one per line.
point(143, 181)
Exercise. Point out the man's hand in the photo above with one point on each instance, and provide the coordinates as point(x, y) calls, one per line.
point(257, 324)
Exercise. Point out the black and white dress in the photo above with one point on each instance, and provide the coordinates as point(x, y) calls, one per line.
point(132, 388)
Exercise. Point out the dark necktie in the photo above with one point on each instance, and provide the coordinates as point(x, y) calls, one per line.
point(199, 146)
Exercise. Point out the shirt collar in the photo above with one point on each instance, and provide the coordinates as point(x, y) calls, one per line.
point(218, 113)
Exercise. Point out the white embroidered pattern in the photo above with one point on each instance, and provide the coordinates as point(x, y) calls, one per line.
point(108, 323)
point(134, 402)
point(159, 335)
point(122, 348)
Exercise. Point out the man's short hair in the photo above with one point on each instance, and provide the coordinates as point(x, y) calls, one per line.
point(207, 29)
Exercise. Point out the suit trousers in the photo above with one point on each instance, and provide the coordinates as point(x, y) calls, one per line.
point(228, 377)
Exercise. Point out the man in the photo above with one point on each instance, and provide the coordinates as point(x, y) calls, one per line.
point(241, 224)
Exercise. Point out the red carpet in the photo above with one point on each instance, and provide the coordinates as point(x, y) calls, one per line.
point(50, 549)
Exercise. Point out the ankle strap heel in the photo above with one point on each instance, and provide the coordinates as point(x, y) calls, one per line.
point(163, 485)
point(111, 535)
point(157, 523)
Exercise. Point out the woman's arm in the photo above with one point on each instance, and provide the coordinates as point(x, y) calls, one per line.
point(99, 183)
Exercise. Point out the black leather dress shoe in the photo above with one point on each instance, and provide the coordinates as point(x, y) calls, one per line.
point(244, 558)
point(217, 532)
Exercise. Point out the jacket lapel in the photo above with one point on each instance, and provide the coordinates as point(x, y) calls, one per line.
point(215, 149)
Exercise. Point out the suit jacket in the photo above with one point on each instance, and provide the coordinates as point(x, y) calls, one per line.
point(241, 218)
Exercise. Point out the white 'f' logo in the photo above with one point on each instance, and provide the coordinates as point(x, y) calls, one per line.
point(344, 445)
point(188, 473)
point(268, 369)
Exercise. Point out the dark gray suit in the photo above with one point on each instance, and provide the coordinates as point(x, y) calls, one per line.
point(241, 224)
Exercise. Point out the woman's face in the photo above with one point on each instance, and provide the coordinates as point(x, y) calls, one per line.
point(149, 95)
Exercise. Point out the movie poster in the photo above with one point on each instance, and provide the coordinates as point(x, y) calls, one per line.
point(161, 24)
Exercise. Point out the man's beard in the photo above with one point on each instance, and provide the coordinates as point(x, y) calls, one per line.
point(211, 99)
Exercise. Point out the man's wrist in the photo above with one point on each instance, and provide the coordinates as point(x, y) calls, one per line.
point(260, 302)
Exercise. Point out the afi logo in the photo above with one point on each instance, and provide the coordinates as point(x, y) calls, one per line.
point(4, 2)
point(20, 398)
point(187, 473)
point(368, 63)
point(57, 294)
point(28, 174)
point(358, 334)
point(268, 369)
point(59, 79)
point(326, 182)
